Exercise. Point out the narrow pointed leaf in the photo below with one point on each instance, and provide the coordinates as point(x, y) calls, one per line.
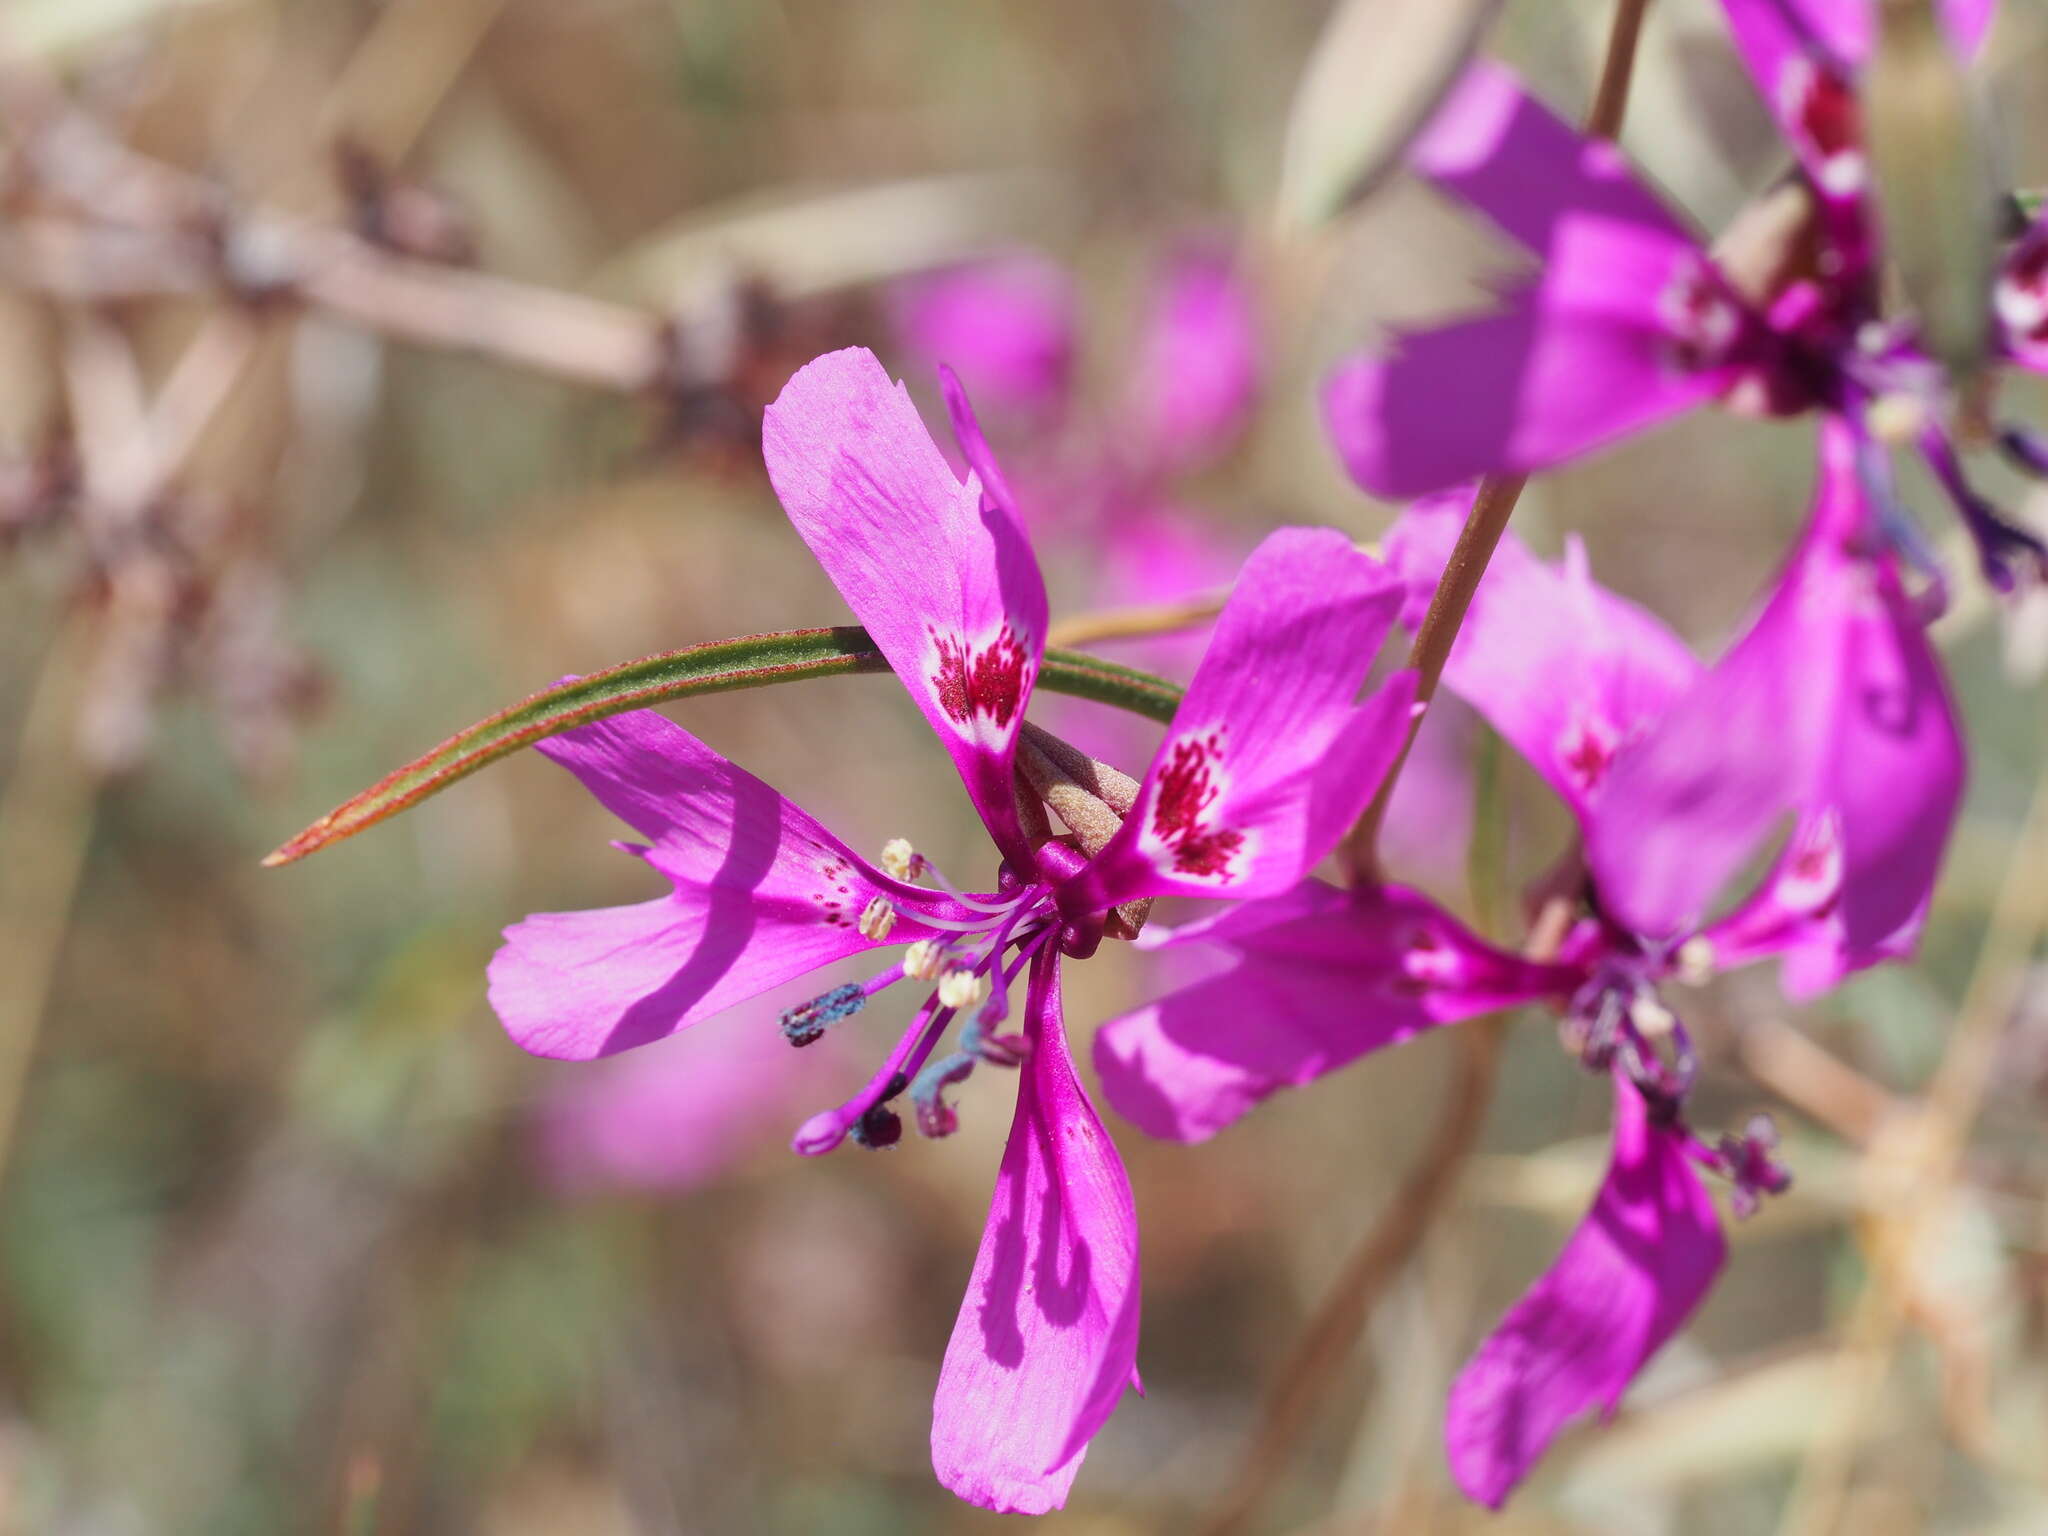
point(753, 661)
point(1377, 72)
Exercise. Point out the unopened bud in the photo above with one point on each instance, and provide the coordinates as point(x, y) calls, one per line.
point(878, 919)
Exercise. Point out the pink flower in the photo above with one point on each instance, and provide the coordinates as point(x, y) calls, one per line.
point(1828, 712)
point(1319, 977)
point(1005, 325)
point(1629, 321)
point(1265, 765)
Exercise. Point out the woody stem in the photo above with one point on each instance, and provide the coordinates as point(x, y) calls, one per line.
point(1495, 502)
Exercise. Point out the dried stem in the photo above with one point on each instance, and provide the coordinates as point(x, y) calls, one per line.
point(1495, 502)
point(1134, 622)
point(1930, 1146)
point(1325, 1345)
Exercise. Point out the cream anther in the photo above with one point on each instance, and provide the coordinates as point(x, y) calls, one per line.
point(1696, 961)
point(924, 960)
point(1651, 1017)
point(878, 919)
point(961, 989)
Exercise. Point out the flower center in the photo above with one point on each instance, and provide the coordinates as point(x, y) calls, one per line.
point(1617, 1022)
point(968, 972)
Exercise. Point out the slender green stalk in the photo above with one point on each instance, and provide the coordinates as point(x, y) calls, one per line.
point(752, 661)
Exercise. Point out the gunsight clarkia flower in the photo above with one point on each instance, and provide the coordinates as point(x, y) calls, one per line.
point(1629, 320)
point(1829, 712)
point(1267, 762)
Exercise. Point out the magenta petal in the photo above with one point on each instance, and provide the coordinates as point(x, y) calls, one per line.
point(1524, 167)
point(1005, 325)
point(1321, 977)
point(1197, 367)
point(1832, 703)
point(762, 894)
point(1631, 1275)
point(1797, 914)
point(1048, 1333)
point(1268, 761)
point(1804, 58)
point(943, 578)
point(1565, 670)
point(1610, 340)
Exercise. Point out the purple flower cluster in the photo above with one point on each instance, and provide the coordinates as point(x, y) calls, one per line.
point(1827, 715)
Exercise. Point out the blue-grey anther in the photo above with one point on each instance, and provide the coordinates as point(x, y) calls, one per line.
point(806, 1023)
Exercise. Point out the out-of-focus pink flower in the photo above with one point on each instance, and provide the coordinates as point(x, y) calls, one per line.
point(1195, 377)
point(1265, 765)
point(1629, 321)
point(1005, 325)
point(1830, 708)
point(1184, 400)
point(676, 1115)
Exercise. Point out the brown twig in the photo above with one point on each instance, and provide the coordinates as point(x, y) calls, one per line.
point(1134, 622)
point(1930, 1147)
point(1325, 1345)
point(1814, 1082)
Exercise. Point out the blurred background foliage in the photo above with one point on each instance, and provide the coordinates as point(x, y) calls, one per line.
point(289, 1240)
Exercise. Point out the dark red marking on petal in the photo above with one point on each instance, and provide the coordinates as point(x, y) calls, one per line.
point(1186, 789)
point(1824, 115)
point(2023, 289)
point(1703, 317)
point(1586, 753)
point(988, 682)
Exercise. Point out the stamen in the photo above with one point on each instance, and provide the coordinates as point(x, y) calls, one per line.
point(960, 988)
point(2026, 450)
point(879, 1128)
point(935, 1117)
point(878, 919)
point(2001, 546)
point(806, 1023)
point(1695, 961)
point(925, 959)
point(1651, 1017)
point(900, 861)
point(1749, 1163)
point(1897, 417)
point(996, 1050)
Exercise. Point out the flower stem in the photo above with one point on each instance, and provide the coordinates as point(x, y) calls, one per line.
point(1495, 502)
point(1326, 1343)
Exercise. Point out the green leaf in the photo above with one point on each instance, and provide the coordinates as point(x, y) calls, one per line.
point(753, 661)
